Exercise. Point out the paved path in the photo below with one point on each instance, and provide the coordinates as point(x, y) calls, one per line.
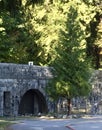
point(89, 123)
point(40, 124)
point(92, 123)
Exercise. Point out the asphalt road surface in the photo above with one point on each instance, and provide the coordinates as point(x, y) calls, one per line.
point(88, 123)
point(40, 124)
point(92, 123)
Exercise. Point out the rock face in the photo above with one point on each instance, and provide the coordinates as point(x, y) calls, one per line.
point(22, 89)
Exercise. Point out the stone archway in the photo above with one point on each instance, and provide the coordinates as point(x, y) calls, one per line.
point(32, 102)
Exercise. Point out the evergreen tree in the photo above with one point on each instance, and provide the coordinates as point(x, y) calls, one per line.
point(29, 29)
point(71, 67)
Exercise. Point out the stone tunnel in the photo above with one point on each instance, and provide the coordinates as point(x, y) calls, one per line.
point(22, 89)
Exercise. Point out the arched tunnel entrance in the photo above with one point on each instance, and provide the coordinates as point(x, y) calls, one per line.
point(32, 102)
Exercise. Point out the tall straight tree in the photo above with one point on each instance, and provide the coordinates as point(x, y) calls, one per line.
point(71, 66)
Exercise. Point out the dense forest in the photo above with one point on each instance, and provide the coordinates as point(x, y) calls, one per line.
point(29, 29)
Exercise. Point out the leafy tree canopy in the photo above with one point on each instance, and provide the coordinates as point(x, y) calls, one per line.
point(34, 26)
point(71, 66)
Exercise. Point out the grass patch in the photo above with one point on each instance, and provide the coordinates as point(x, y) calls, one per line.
point(4, 123)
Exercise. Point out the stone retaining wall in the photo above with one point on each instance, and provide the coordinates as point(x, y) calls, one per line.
point(16, 80)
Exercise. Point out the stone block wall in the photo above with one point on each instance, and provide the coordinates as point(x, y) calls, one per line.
point(17, 79)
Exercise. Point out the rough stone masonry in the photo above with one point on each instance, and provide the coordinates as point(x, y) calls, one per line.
point(22, 89)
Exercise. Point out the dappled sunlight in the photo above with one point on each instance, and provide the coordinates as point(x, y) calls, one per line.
point(3, 121)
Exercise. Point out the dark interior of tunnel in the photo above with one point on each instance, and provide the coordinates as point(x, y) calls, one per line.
point(32, 102)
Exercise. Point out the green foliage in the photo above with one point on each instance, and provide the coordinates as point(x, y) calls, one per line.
point(32, 34)
point(71, 66)
point(18, 39)
point(94, 39)
point(29, 30)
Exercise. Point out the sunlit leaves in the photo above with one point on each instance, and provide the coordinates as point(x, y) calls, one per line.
point(71, 65)
point(39, 22)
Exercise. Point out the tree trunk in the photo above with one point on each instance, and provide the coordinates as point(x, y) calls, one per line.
point(69, 106)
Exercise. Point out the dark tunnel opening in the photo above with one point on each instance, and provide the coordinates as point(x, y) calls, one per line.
point(32, 102)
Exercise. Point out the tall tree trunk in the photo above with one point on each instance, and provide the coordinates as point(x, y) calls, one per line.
point(69, 106)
